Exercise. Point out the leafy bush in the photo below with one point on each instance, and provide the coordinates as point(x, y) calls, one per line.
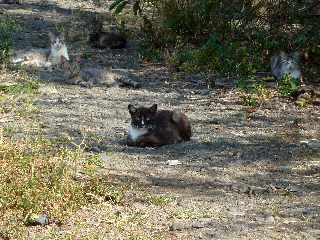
point(249, 101)
point(19, 88)
point(231, 37)
point(288, 86)
point(7, 27)
point(253, 91)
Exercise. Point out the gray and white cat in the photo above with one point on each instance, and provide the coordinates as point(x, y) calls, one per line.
point(286, 64)
point(74, 73)
point(43, 57)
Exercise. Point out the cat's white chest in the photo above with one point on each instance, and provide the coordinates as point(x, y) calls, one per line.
point(55, 55)
point(135, 133)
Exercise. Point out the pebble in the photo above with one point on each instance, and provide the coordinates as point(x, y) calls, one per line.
point(201, 223)
point(35, 220)
point(312, 143)
point(173, 162)
point(285, 168)
point(267, 218)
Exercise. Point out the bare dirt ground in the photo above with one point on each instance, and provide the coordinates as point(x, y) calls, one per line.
point(244, 175)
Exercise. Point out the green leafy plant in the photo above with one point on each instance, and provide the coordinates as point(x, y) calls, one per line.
point(20, 88)
point(118, 5)
point(242, 43)
point(249, 100)
point(244, 84)
point(288, 86)
point(160, 200)
point(7, 27)
point(304, 102)
point(148, 53)
point(261, 90)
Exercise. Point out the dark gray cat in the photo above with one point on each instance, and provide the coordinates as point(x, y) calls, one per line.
point(112, 40)
point(286, 64)
point(99, 38)
point(10, 1)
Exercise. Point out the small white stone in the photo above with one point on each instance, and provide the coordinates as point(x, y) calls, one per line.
point(173, 162)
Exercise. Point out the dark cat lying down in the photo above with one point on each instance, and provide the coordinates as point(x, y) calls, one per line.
point(152, 128)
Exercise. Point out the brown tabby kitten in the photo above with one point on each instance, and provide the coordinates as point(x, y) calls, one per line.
point(76, 74)
point(152, 128)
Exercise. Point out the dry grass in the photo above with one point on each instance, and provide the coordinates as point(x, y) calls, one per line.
point(38, 175)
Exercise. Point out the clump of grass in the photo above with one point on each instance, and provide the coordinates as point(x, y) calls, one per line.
point(252, 85)
point(147, 53)
point(304, 102)
point(37, 176)
point(17, 92)
point(249, 100)
point(254, 91)
point(7, 27)
point(27, 87)
point(288, 86)
point(160, 200)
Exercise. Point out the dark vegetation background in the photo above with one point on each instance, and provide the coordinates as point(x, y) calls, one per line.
point(234, 38)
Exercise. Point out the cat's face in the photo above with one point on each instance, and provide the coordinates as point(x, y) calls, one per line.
point(290, 61)
point(56, 40)
point(142, 117)
point(292, 58)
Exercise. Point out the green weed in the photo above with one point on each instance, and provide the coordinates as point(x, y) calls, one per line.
point(148, 53)
point(249, 100)
point(160, 200)
point(254, 90)
point(288, 86)
point(28, 87)
point(7, 27)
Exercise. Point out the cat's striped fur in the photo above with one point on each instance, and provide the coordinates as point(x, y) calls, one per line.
point(286, 64)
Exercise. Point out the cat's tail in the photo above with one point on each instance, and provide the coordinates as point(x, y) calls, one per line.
point(183, 125)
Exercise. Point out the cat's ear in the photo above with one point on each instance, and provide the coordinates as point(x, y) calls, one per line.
point(61, 37)
point(153, 108)
point(282, 54)
point(132, 109)
point(51, 36)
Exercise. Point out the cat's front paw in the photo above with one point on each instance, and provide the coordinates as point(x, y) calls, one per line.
point(130, 142)
point(86, 84)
